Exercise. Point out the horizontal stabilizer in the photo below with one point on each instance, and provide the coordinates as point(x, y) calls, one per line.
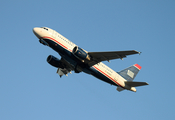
point(119, 89)
point(135, 84)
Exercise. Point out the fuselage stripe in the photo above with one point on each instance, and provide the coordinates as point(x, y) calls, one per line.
point(57, 42)
point(108, 76)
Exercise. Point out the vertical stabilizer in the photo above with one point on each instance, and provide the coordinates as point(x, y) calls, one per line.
point(130, 73)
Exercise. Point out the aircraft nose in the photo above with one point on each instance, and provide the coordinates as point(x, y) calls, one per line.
point(36, 31)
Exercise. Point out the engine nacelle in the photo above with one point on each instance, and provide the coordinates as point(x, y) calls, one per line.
point(54, 61)
point(80, 54)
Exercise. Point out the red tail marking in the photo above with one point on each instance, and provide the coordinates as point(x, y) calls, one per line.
point(138, 66)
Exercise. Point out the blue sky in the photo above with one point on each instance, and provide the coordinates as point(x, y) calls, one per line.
point(30, 87)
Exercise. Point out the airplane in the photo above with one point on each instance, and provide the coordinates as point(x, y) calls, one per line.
point(74, 58)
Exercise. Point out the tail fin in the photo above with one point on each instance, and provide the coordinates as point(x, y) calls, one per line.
point(130, 73)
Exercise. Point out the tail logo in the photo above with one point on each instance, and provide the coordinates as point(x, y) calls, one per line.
point(130, 73)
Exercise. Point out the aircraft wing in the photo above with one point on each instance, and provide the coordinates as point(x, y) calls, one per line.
point(106, 56)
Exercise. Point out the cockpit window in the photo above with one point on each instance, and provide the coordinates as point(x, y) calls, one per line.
point(45, 28)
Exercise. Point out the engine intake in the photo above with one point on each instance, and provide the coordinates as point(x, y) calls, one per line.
point(80, 54)
point(54, 61)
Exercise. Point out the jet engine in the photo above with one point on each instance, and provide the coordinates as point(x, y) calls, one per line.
point(54, 61)
point(80, 54)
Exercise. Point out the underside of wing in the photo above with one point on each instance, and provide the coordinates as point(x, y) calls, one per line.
point(106, 56)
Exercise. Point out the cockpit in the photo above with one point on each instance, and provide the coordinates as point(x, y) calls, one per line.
point(45, 28)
